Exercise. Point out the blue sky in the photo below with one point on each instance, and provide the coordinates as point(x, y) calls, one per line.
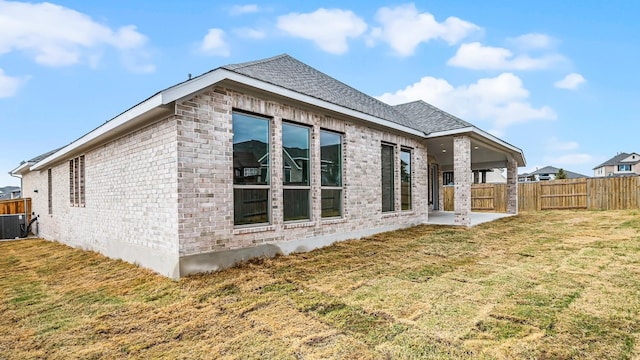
point(559, 79)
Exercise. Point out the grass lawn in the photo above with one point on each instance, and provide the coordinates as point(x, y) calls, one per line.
point(540, 285)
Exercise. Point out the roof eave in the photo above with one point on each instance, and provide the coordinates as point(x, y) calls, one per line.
point(513, 150)
point(21, 169)
point(197, 84)
point(104, 130)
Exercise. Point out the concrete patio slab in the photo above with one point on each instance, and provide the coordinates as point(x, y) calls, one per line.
point(447, 217)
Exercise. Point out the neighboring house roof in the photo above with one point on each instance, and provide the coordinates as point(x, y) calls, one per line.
point(5, 192)
point(616, 160)
point(245, 160)
point(554, 170)
point(285, 76)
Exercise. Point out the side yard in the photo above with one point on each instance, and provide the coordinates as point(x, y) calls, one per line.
point(562, 284)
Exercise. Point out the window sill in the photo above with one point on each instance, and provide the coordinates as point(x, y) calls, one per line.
point(253, 229)
point(295, 225)
point(331, 221)
point(390, 214)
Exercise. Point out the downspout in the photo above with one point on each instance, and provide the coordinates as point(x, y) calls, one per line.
point(18, 177)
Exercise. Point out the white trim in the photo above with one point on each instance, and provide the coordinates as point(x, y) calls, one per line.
point(484, 134)
point(218, 75)
point(125, 117)
point(204, 81)
point(192, 86)
point(20, 167)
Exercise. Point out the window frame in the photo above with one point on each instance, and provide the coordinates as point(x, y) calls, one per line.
point(624, 167)
point(285, 186)
point(409, 196)
point(340, 187)
point(268, 174)
point(49, 191)
point(391, 207)
point(77, 181)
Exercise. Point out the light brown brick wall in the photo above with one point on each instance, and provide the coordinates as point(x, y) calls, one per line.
point(205, 173)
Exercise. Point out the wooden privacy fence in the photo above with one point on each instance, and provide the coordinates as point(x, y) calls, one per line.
point(484, 197)
point(16, 206)
point(610, 193)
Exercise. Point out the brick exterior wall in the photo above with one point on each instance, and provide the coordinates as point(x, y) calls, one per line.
point(131, 201)
point(165, 192)
point(205, 174)
point(462, 180)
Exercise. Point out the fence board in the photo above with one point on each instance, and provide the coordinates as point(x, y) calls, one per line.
point(614, 193)
point(611, 193)
point(563, 194)
point(16, 206)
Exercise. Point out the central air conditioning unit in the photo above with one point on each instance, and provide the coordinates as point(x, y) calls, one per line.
point(10, 225)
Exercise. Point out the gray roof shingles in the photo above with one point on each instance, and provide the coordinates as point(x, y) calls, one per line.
point(429, 118)
point(554, 170)
point(290, 73)
point(617, 160)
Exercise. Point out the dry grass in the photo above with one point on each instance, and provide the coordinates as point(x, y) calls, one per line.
point(540, 285)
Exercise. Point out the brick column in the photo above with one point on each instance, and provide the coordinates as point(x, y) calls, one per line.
point(275, 164)
point(512, 186)
point(462, 179)
point(314, 164)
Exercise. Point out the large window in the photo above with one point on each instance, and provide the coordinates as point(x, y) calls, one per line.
point(405, 178)
point(251, 172)
point(76, 181)
point(331, 173)
point(624, 167)
point(388, 189)
point(295, 172)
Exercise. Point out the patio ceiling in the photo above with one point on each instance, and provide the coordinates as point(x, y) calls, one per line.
point(485, 154)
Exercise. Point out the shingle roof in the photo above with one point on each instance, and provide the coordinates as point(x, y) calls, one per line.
point(43, 156)
point(554, 170)
point(429, 118)
point(287, 72)
point(616, 160)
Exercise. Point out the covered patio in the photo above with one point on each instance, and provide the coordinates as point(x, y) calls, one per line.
point(458, 158)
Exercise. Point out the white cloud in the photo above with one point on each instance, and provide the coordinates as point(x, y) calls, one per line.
point(328, 28)
point(479, 57)
point(533, 41)
point(214, 43)
point(570, 159)
point(570, 82)
point(501, 101)
point(404, 28)
point(54, 35)
point(554, 144)
point(250, 33)
point(9, 85)
point(244, 9)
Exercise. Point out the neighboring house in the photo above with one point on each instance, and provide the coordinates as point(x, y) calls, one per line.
point(256, 159)
point(547, 173)
point(9, 192)
point(622, 164)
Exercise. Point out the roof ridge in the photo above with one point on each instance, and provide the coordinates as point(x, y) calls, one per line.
point(236, 66)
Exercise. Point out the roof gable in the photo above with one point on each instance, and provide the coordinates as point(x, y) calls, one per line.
point(290, 73)
point(620, 158)
point(285, 76)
